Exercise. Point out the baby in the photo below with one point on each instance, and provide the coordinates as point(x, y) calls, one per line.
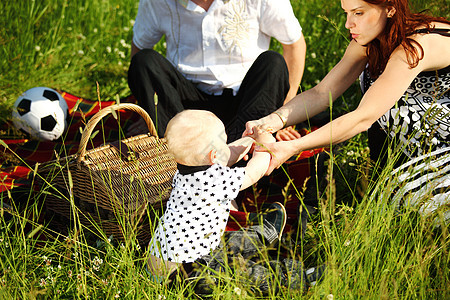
point(204, 189)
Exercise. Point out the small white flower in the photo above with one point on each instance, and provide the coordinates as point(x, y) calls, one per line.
point(43, 283)
point(108, 49)
point(347, 243)
point(126, 29)
point(37, 48)
point(313, 55)
point(95, 30)
point(237, 291)
point(47, 261)
point(50, 278)
point(330, 297)
point(80, 52)
point(81, 36)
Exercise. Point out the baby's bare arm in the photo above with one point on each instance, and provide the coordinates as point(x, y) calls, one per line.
point(239, 148)
point(259, 163)
point(256, 168)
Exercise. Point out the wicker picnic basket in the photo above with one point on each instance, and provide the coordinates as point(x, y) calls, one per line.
point(113, 188)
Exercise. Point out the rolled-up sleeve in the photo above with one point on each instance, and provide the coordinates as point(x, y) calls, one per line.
point(146, 29)
point(278, 20)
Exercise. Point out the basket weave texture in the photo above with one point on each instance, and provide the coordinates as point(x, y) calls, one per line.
point(111, 186)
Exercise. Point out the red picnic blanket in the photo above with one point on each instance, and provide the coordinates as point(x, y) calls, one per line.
point(19, 156)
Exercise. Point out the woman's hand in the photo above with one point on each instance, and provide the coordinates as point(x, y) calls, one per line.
point(270, 123)
point(280, 152)
point(250, 127)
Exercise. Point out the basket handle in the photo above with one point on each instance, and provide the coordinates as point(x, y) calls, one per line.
point(104, 112)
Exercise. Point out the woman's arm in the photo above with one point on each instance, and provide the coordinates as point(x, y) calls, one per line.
point(317, 99)
point(379, 98)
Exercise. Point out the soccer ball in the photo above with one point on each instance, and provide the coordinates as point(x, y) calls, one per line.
point(41, 112)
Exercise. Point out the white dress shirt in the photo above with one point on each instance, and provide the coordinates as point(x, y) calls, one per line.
point(215, 48)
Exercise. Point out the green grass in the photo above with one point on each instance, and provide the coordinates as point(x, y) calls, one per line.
point(372, 250)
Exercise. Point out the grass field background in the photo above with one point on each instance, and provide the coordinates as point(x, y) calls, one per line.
point(372, 251)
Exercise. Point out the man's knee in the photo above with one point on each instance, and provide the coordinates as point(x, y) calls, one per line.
point(272, 60)
point(145, 58)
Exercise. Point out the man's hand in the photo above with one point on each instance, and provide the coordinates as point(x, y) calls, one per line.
point(287, 134)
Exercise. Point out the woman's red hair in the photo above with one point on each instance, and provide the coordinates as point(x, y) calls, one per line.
point(398, 30)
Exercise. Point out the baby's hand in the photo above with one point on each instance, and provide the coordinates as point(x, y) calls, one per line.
point(262, 136)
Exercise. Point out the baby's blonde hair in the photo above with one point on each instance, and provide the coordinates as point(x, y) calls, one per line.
point(192, 134)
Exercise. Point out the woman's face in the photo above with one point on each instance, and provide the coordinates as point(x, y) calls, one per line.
point(364, 20)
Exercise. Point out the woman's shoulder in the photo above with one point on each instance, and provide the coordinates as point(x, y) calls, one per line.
point(434, 45)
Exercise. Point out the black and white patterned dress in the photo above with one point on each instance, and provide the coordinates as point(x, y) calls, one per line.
point(420, 121)
point(420, 124)
point(196, 213)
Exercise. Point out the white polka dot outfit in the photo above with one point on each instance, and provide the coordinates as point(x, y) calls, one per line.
point(196, 214)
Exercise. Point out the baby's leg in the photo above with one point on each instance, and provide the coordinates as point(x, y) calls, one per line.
point(159, 269)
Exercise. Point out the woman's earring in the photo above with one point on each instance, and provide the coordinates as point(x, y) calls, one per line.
point(391, 12)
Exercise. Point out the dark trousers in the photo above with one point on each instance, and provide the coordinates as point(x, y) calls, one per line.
point(241, 253)
point(262, 91)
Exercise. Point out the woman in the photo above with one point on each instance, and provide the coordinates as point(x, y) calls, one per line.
point(400, 50)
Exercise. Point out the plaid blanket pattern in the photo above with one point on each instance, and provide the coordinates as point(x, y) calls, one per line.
point(15, 172)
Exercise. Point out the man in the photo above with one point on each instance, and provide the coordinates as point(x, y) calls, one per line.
point(216, 59)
